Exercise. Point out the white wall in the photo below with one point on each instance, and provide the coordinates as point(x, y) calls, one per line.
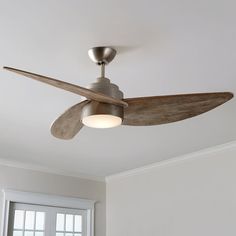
point(195, 197)
point(34, 181)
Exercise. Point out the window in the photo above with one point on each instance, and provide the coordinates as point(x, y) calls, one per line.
point(47, 216)
point(69, 225)
point(26, 220)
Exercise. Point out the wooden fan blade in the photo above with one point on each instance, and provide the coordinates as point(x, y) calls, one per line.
point(88, 93)
point(166, 109)
point(69, 123)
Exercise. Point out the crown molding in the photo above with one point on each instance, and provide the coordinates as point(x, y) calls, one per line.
point(121, 175)
point(189, 156)
point(39, 168)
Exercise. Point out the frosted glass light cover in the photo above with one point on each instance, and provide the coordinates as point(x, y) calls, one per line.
point(102, 121)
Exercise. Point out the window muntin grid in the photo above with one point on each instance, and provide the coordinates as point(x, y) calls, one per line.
point(28, 223)
point(74, 221)
point(68, 225)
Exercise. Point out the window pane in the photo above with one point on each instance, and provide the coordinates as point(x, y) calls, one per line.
point(18, 219)
point(40, 220)
point(38, 233)
point(59, 234)
point(77, 234)
point(29, 220)
point(17, 233)
point(78, 223)
point(29, 233)
point(69, 223)
point(60, 222)
point(69, 234)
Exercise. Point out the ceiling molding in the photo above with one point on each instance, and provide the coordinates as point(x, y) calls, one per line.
point(21, 165)
point(174, 160)
point(121, 175)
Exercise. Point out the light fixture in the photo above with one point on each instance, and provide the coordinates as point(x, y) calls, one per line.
point(102, 115)
point(102, 121)
point(98, 114)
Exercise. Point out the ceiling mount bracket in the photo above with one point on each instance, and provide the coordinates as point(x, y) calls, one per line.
point(102, 55)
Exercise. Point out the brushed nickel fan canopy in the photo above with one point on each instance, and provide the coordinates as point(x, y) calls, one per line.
point(102, 55)
point(104, 105)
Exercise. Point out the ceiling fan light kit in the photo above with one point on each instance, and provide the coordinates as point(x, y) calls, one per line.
point(104, 105)
point(97, 114)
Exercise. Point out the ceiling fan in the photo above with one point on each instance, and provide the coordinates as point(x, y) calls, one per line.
point(104, 106)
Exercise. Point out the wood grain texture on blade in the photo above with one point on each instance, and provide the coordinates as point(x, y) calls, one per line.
point(88, 93)
point(158, 110)
point(69, 123)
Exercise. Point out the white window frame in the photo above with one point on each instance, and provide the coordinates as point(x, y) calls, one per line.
point(13, 196)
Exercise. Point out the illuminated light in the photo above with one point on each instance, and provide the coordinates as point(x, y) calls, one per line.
point(102, 121)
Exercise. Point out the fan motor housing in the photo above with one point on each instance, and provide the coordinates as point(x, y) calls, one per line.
point(104, 86)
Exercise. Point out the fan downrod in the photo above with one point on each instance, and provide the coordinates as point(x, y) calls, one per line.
point(102, 55)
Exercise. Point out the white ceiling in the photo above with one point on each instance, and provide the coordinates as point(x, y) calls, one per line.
point(164, 47)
